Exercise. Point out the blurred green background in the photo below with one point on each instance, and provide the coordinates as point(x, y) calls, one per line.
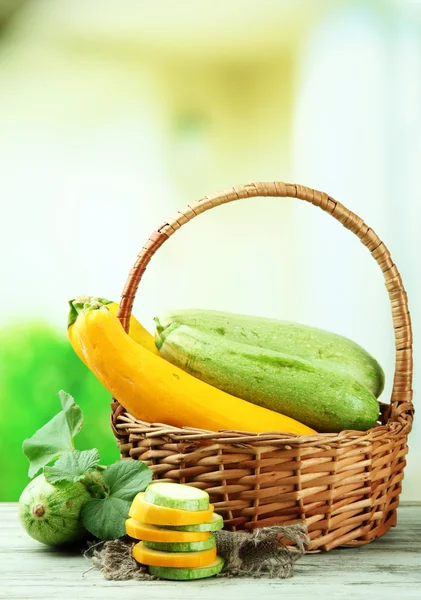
point(37, 361)
point(113, 115)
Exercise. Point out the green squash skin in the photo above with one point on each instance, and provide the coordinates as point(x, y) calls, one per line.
point(180, 574)
point(215, 524)
point(321, 399)
point(58, 507)
point(330, 351)
point(182, 546)
point(154, 495)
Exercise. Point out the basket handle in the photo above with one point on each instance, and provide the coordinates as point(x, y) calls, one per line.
point(401, 400)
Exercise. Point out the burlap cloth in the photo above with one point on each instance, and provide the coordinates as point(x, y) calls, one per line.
point(268, 551)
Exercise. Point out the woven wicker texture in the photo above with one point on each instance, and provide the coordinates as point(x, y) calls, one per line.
point(344, 486)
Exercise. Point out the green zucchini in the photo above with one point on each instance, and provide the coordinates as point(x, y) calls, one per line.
point(176, 495)
point(178, 574)
point(216, 523)
point(324, 400)
point(323, 349)
point(182, 546)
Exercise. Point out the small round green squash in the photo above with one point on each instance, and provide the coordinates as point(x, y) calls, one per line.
point(51, 513)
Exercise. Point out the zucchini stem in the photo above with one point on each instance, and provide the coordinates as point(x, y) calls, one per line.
point(83, 302)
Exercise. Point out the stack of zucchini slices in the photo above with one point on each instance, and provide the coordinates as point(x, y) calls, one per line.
point(175, 523)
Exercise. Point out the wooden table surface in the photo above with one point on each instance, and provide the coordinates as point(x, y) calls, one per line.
point(389, 568)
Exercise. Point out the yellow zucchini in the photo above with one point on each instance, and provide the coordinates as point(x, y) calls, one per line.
point(162, 515)
point(152, 389)
point(157, 558)
point(136, 331)
point(151, 533)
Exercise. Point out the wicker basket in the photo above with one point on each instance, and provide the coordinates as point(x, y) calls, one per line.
point(344, 486)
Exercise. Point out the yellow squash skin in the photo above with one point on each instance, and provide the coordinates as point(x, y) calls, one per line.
point(147, 556)
point(153, 514)
point(136, 330)
point(151, 533)
point(154, 390)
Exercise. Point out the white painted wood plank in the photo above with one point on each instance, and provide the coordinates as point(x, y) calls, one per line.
point(388, 567)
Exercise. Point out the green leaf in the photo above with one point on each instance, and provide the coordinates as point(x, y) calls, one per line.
point(105, 519)
point(126, 478)
point(55, 437)
point(72, 413)
point(72, 466)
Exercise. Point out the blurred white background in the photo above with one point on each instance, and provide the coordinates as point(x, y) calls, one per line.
point(114, 116)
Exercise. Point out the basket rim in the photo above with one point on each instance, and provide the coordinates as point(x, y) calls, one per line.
point(123, 423)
